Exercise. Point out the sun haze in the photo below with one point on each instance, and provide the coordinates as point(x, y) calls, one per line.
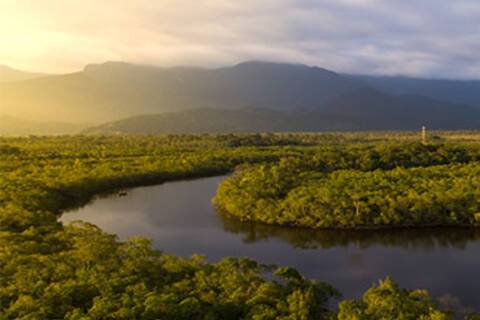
point(428, 38)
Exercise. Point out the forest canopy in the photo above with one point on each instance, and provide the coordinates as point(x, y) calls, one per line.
point(54, 271)
point(384, 185)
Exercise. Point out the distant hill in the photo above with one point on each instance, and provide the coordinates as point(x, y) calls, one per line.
point(455, 91)
point(279, 96)
point(340, 115)
point(8, 74)
point(199, 121)
point(114, 90)
point(210, 120)
point(12, 126)
point(63, 98)
point(372, 109)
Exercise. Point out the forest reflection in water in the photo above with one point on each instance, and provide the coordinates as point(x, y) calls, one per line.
point(303, 238)
point(180, 219)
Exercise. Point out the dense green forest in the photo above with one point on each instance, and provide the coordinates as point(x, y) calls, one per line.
point(352, 186)
point(52, 271)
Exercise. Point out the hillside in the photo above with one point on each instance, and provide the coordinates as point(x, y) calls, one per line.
point(305, 98)
point(454, 91)
point(210, 120)
point(115, 90)
point(371, 109)
point(341, 115)
point(8, 74)
point(11, 126)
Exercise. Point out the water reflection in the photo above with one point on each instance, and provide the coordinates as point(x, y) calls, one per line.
point(180, 219)
point(416, 239)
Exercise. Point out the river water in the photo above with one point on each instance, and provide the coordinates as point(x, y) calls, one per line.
point(180, 219)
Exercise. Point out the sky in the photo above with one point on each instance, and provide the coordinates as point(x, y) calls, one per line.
point(423, 38)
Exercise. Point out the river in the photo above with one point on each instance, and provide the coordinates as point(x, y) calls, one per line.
point(180, 219)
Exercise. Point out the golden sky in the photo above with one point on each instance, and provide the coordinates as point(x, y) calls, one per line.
point(437, 38)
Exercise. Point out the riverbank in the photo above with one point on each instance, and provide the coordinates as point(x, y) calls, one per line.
point(72, 272)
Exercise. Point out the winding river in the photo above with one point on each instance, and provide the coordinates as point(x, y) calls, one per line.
point(180, 219)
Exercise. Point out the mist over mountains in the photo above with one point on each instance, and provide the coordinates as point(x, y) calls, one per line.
point(251, 96)
point(14, 126)
point(8, 74)
point(455, 91)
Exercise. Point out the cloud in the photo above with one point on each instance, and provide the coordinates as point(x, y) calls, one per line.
point(430, 38)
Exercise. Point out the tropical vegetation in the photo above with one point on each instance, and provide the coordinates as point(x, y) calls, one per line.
point(53, 271)
point(381, 185)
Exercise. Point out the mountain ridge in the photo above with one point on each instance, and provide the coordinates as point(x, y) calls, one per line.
point(449, 90)
point(102, 93)
point(12, 126)
point(8, 74)
point(117, 90)
point(251, 119)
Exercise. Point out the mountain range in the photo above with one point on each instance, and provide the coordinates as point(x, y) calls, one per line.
point(250, 96)
point(8, 74)
point(14, 126)
point(455, 91)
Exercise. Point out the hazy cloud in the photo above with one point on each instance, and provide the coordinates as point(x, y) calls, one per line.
point(432, 38)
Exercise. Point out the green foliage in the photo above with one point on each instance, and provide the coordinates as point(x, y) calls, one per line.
point(388, 301)
point(51, 271)
point(8, 150)
point(89, 274)
point(380, 186)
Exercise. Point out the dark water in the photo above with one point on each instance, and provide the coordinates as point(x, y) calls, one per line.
point(180, 219)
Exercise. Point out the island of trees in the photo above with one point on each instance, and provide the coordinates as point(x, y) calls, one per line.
point(380, 185)
point(54, 271)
